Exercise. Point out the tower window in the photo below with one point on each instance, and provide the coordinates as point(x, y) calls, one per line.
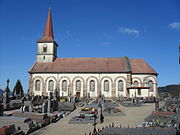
point(44, 48)
point(44, 57)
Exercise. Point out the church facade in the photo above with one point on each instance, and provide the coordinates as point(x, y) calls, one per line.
point(108, 76)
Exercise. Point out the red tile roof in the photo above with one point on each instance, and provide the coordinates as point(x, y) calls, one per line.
point(48, 31)
point(93, 65)
point(139, 66)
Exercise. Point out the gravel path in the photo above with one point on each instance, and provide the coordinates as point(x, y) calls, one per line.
point(134, 115)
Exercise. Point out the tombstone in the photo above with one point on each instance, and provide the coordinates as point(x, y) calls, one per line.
point(156, 104)
point(1, 109)
point(24, 109)
point(21, 109)
point(55, 94)
point(100, 94)
point(53, 105)
point(51, 95)
point(31, 106)
point(73, 100)
point(49, 105)
point(44, 108)
point(101, 116)
point(68, 99)
point(28, 97)
point(99, 103)
point(23, 99)
point(89, 95)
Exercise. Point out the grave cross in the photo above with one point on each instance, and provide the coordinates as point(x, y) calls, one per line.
point(6, 99)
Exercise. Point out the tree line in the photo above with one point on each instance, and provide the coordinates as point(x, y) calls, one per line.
point(173, 90)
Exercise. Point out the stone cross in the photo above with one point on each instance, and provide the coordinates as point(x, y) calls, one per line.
point(6, 99)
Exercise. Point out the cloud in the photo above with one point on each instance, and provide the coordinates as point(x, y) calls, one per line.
point(107, 35)
point(128, 31)
point(105, 43)
point(175, 25)
point(69, 35)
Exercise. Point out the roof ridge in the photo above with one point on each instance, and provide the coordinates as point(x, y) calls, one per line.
point(137, 59)
point(32, 67)
point(87, 57)
point(128, 64)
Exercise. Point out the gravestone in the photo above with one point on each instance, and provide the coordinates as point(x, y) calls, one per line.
point(49, 105)
point(44, 108)
point(25, 108)
point(156, 105)
point(1, 109)
point(31, 107)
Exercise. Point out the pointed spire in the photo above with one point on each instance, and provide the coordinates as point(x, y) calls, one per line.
point(48, 31)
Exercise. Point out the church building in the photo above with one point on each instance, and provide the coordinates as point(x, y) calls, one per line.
point(108, 76)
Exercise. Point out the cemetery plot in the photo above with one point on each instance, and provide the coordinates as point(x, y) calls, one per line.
point(136, 131)
point(112, 109)
point(27, 125)
point(88, 114)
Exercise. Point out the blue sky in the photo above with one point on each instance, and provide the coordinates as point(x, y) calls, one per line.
point(91, 28)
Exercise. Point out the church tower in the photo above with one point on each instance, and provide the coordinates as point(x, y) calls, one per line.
point(46, 46)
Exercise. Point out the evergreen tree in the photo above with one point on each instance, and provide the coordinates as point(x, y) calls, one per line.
point(18, 89)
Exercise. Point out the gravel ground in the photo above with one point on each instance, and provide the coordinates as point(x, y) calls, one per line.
point(133, 116)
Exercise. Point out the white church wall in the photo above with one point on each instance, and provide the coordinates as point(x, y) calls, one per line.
point(134, 93)
point(98, 78)
point(143, 79)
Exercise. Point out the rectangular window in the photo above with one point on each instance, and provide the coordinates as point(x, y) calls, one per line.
point(139, 91)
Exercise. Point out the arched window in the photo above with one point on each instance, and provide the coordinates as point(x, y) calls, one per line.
point(120, 85)
point(136, 84)
point(44, 48)
point(37, 85)
point(78, 85)
point(106, 85)
point(64, 85)
point(92, 85)
point(51, 85)
point(150, 85)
